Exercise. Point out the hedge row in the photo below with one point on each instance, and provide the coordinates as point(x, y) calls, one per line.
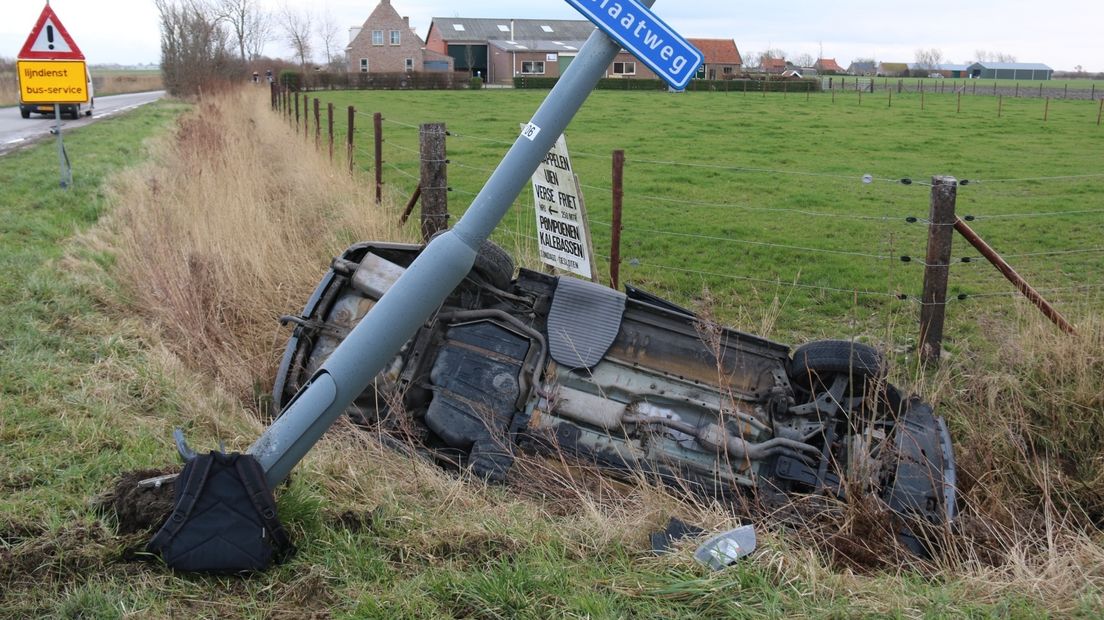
point(772, 86)
point(414, 80)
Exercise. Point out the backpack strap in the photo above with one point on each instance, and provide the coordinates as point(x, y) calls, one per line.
point(252, 477)
point(193, 485)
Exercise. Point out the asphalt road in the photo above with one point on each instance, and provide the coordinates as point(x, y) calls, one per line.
point(16, 131)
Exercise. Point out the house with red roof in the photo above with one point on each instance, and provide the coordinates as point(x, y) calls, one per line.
point(722, 58)
point(774, 65)
point(828, 65)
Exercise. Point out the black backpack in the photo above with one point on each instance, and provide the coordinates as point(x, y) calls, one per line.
point(223, 519)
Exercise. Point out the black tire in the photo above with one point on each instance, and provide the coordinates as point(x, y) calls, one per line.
point(823, 357)
point(494, 265)
point(24, 113)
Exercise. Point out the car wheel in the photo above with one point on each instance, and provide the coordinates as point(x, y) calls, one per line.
point(822, 357)
point(25, 113)
point(494, 265)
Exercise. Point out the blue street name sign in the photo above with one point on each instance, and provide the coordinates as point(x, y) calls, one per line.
point(643, 34)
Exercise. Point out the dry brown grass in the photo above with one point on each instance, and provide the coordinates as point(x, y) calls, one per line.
point(9, 87)
point(108, 83)
point(229, 227)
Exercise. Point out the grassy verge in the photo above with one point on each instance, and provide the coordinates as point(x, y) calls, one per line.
point(98, 368)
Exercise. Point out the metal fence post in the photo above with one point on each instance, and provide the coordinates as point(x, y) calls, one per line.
point(377, 126)
point(615, 232)
point(349, 137)
point(937, 269)
point(317, 125)
point(434, 179)
point(330, 125)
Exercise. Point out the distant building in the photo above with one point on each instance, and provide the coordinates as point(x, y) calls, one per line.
point(893, 69)
point(468, 41)
point(510, 59)
point(827, 65)
point(722, 59)
point(774, 65)
point(1010, 71)
point(940, 70)
point(387, 44)
point(865, 69)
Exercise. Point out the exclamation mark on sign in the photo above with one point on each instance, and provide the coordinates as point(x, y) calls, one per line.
point(50, 35)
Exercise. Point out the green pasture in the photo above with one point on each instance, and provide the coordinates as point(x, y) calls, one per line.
point(761, 198)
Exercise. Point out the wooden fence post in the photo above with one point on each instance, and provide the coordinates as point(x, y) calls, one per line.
point(890, 98)
point(306, 116)
point(615, 229)
point(1100, 113)
point(1046, 110)
point(1000, 106)
point(296, 112)
point(959, 111)
point(330, 125)
point(377, 127)
point(317, 124)
point(434, 179)
point(349, 137)
point(1017, 89)
point(933, 309)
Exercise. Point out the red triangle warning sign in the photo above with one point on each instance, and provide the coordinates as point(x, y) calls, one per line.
point(49, 40)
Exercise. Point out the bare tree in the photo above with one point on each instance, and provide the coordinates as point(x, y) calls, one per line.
point(297, 29)
point(929, 59)
point(987, 56)
point(804, 60)
point(248, 24)
point(195, 49)
point(329, 33)
point(772, 53)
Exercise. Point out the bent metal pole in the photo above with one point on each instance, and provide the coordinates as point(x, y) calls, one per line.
point(437, 271)
point(1016, 279)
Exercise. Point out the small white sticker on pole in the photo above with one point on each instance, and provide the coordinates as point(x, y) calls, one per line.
point(530, 132)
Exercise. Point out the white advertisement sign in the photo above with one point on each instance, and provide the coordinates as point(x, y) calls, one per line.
point(561, 216)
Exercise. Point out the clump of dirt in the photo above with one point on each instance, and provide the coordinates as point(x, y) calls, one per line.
point(139, 508)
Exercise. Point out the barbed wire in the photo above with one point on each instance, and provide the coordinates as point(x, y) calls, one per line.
point(733, 168)
point(897, 296)
point(1065, 177)
point(748, 242)
point(722, 205)
point(1004, 216)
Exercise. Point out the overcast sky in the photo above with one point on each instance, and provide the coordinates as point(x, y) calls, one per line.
point(1060, 33)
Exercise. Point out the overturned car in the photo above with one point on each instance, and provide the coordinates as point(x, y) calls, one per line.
point(631, 383)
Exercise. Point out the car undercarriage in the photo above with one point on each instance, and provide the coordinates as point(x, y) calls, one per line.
point(631, 383)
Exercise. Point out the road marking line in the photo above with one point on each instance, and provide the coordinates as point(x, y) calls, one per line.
point(15, 141)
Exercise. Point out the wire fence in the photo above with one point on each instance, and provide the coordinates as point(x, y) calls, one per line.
point(837, 250)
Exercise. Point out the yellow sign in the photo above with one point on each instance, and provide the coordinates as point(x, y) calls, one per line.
point(52, 81)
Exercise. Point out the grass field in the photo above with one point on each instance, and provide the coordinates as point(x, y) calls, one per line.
point(103, 355)
point(761, 198)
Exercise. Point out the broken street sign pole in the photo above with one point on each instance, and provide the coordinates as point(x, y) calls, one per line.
point(380, 335)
